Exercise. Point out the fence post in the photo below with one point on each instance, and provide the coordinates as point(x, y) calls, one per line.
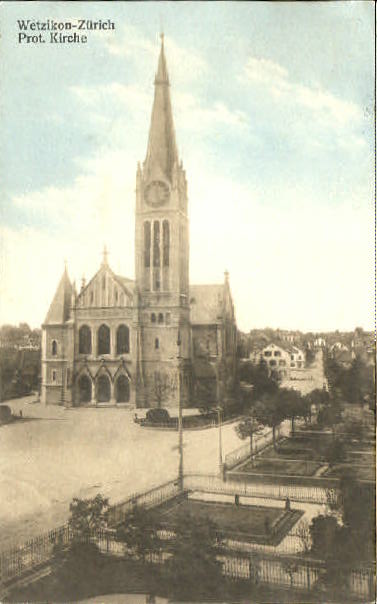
point(308, 576)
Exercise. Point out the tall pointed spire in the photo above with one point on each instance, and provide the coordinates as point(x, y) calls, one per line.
point(59, 310)
point(162, 152)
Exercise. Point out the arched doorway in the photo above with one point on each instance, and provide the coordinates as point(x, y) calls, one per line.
point(122, 389)
point(85, 389)
point(103, 389)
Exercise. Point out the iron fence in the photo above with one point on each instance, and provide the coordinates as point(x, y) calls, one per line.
point(242, 453)
point(257, 488)
point(249, 561)
point(19, 560)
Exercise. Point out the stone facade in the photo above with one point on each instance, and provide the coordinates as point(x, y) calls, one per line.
point(154, 340)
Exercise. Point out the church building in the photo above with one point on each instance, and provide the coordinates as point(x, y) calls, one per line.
point(155, 340)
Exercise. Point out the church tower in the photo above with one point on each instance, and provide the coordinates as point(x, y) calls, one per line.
point(162, 321)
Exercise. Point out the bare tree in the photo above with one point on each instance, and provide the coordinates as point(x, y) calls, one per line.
point(162, 386)
point(303, 533)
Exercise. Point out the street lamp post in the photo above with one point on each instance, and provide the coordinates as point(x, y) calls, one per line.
point(180, 423)
point(220, 440)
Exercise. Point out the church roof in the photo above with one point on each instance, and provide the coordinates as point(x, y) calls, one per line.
point(162, 152)
point(206, 303)
point(59, 310)
point(127, 284)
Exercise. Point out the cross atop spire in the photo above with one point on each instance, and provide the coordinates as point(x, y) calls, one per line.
point(162, 72)
point(105, 254)
point(162, 152)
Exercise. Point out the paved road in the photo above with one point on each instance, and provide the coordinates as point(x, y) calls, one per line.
point(55, 454)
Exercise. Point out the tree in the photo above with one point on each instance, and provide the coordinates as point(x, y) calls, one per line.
point(193, 568)
point(336, 452)
point(322, 532)
point(303, 533)
point(258, 376)
point(88, 516)
point(269, 412)
point(355, 429)
point(293, 405)
point(330, 415)
point(139, 533)
point(357, 506)
point(161, 387)
point(318, 397)
point(76, 568)
point(247, 428)
point(342, 545)
point(309, 356)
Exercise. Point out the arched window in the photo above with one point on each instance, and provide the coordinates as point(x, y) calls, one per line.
point(103, 340)
point(157, 343)
point(116, 295)
point(123, 339)
point(160, 317)
point(54, 348)
point(156, 244)
point(91, 298)
point(85, 340)
point(153, 317)
point(147, 244)
point(165, 242)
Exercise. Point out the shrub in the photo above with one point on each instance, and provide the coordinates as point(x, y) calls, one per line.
point(158, 416)
point(5, 414)
point(336, 452)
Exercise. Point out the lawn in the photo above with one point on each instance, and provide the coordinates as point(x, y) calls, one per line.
point(364, 472)
point(227, 516)
point(245, 522)
point(286, 467)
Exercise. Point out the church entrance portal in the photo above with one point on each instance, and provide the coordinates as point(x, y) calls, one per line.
point(122, 389)
point(103, 389)
point(85, 389)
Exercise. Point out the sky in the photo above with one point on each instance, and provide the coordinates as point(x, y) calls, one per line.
point(273, 106)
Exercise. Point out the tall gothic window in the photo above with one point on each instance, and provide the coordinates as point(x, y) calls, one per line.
point(147, 244)
point(103, 340)
point(123, 339)
point(54, 348)
point(85, 340)
point(166, 242)
point(156, 244)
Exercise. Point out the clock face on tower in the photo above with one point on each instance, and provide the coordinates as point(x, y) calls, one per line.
point(156, 193)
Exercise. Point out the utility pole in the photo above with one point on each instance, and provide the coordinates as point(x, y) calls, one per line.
point(220, 441)
point(180, 424)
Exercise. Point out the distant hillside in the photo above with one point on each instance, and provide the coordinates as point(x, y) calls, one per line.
point(20, 360)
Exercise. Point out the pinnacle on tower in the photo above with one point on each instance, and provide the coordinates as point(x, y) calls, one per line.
point(105, 255)
point(162, 152)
